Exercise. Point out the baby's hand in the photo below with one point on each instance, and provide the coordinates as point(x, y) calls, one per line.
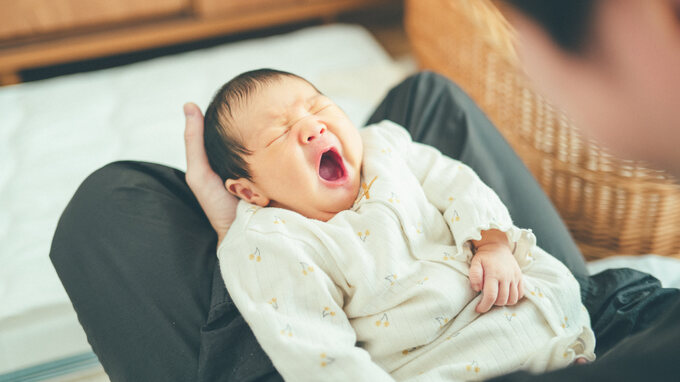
point(495, 271)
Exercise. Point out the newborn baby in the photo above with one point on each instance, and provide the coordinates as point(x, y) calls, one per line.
point(361, 255)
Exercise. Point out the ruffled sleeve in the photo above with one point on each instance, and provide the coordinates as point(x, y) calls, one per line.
point(473, 207)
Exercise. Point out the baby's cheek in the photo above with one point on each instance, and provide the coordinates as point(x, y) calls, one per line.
point(353, 147)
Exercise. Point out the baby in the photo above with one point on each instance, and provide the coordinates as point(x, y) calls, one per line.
point(360, 255)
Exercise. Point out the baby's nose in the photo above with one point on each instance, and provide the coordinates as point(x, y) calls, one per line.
point(312, 132)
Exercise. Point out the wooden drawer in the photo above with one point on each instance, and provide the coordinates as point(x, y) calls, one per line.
point(40, 33)
point(21, 18)
point(210, 8)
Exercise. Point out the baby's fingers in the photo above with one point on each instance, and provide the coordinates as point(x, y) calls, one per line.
point(514, 294)
point(503, 293)
point(489, 295)
point(476, 275)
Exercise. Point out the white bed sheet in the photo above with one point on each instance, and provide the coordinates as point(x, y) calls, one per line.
point(54, 133)
point(666, 269)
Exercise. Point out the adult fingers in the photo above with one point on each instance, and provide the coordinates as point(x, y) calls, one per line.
point(489, 295)
point(197, 160)
point(207, 186)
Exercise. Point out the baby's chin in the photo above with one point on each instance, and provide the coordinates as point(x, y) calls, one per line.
point(329, 212)
point(326, 216)
point(327, 209)
point(324, 213)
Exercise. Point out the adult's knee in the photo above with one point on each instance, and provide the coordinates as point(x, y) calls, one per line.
point(125, 174)
point(117, 188)
point(422, 99)
point(427, 76)
point(135, 255)
point(427, 83)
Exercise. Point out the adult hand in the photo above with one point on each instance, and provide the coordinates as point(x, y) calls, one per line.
point(217, 203)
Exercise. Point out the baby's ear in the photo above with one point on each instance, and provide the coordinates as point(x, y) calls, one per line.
point(245, 189)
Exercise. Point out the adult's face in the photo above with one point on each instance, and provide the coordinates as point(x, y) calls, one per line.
point(624, 88)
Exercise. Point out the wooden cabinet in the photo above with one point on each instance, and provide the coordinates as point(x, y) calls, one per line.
point(38, 33)
point(215, 8)
point(22, 18)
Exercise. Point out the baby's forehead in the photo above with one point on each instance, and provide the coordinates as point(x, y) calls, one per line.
point(293, 86)
point(274, 98)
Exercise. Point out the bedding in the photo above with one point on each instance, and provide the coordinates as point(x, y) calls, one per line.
point(664, 268)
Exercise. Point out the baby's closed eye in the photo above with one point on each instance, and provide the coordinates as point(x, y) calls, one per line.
point(318, 109)
point(319, 104)
point(280, 133)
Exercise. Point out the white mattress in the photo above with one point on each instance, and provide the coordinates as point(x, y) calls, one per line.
point(54, 133)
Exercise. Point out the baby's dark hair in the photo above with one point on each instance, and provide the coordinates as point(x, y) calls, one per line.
point(224, 148)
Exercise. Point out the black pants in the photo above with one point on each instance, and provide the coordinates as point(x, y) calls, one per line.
point(137, 257)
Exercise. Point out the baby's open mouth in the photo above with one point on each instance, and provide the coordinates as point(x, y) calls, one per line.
point(331, 167)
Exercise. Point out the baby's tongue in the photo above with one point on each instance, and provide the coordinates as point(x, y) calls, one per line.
point(329, 168)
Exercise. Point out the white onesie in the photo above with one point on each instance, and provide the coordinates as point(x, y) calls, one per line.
point(381, 292)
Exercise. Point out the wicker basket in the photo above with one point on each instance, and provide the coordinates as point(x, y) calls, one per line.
point(610, 205)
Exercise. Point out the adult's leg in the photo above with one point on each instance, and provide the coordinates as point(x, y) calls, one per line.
point(136, 255)
point(437, 112)
point(623, 302)
point(649, 355)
